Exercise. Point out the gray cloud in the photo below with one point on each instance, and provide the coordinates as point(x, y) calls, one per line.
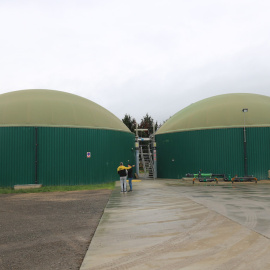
point(136, 56)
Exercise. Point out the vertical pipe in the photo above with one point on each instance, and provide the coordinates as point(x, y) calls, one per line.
point(137, 156)
point(245, 143)
point(36, 157)
point(245, 153)
point(155, 160)
point(154, 145)
point(137, 162)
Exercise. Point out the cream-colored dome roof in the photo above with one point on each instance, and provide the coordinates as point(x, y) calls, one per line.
point(223, 111)
point(54, 108)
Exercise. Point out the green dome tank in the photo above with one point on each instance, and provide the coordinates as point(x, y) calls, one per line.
point(55, 138)
point(209, 135)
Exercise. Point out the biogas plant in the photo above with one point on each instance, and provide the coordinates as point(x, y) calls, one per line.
point(55, 138)
point(226, 134)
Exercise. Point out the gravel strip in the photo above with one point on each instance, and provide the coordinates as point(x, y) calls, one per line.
point(48, 230)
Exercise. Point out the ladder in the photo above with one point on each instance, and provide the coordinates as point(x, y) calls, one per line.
point(147, 161)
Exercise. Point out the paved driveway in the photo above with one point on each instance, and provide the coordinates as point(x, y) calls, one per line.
point(247, 204)
point(164, 225)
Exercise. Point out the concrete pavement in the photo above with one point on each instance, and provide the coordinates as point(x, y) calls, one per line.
point(164, 224)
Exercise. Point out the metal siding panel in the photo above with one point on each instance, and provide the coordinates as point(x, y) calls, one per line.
point(17, 159)
point(62, 154)
point(258, 151)
point(213, 151)
point(63, 161)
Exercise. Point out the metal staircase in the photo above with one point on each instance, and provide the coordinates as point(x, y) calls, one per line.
point(146, 154)
point(147, 161)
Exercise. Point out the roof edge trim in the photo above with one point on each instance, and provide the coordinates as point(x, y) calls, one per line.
point(207, 128)
point(65, 126)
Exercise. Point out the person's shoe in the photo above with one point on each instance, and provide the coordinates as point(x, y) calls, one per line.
point(130, 190)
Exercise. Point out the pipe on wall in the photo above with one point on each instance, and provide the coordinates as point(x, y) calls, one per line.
point(36, 155)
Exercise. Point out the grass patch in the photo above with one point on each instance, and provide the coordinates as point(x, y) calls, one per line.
point(58, 188)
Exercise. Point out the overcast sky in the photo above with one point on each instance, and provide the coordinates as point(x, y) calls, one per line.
point(136, 57)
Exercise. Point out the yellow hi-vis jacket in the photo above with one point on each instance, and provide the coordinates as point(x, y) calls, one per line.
point(122, 170)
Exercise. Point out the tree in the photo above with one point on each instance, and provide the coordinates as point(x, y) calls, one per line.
point(129, 122)
point(147, 123)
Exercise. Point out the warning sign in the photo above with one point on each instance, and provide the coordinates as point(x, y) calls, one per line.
point(88, 154)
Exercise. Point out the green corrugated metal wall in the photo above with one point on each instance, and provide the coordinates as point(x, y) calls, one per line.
point(215, 151)
point(62, 155)
point(258, 151)
point(17, 155)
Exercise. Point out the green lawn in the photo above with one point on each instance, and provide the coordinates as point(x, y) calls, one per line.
point(58, 188)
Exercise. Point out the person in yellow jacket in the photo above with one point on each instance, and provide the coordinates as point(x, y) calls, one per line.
point(122, 171)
